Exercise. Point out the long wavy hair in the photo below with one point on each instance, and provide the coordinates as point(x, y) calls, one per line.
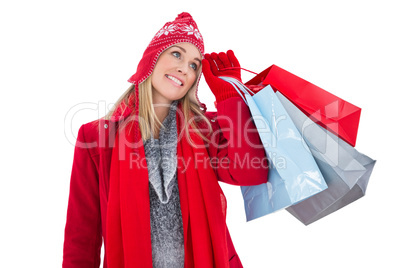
point(193, 114)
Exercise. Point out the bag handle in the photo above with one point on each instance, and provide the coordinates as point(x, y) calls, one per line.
point(231, 68)
point(238, 86)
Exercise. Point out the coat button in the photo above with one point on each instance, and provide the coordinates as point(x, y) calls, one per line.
point(105, 125)
point(212, 120)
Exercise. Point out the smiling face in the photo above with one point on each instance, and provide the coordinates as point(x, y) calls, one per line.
point(175, 72)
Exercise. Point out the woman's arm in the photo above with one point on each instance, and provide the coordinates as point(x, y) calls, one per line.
point(236, 152)
point(83, 234)
point(235, 149)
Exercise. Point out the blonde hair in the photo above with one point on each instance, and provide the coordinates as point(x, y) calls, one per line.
point(192, 112)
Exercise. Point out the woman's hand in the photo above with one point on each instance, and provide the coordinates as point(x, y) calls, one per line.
point(222, 64)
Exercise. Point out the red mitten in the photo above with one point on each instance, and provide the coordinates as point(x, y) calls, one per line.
point(221, 64)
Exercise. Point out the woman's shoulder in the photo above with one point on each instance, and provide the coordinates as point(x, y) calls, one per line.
point(97, 133)
point(90, 129)
point(87, 137)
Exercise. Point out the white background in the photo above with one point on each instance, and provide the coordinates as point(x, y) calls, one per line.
point(63, 62)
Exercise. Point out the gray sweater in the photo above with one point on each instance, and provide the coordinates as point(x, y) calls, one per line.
point(166, 221)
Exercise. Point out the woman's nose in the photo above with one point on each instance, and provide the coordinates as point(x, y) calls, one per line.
point(182, 68)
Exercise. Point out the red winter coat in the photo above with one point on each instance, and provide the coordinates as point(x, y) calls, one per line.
point(89, 186)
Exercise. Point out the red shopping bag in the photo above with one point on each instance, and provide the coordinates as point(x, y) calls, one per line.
point(331, 112)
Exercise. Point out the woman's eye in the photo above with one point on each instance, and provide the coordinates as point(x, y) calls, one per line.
point(194, 66)
point(176, 54)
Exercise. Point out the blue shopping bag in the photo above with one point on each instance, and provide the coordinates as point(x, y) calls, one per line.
point(294, 175)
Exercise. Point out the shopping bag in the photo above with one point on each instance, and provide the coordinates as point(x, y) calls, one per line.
point(345, 170)
point(293, 174)
point(333, 113)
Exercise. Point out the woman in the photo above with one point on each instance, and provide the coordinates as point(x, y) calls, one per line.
point(145, 177)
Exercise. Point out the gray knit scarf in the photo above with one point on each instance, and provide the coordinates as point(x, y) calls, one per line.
point(161, 156)
point(166, 220)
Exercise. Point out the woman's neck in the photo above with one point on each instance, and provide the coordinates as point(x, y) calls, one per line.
point(161, 111)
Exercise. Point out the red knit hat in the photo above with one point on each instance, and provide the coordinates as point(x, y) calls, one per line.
point(182, 29)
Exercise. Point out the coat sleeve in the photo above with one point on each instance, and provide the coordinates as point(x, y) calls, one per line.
point(236, 151)
point(83, 234)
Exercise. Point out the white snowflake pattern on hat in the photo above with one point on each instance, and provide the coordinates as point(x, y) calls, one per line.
point(166, 30)
point(178, 29)
point(190, 30)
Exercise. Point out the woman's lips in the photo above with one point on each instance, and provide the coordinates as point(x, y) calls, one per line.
point(174, 79)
